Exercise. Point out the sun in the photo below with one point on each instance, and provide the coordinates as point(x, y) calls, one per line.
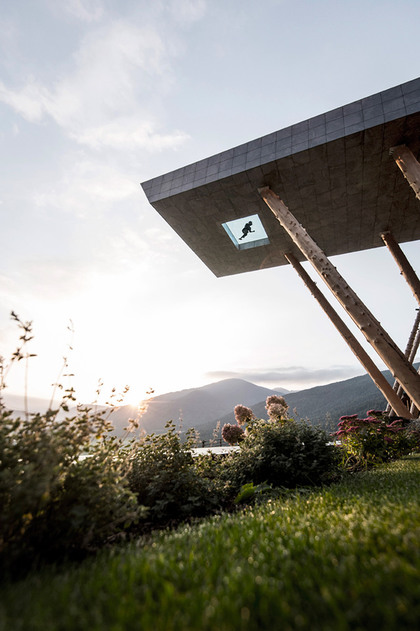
point(136, 398)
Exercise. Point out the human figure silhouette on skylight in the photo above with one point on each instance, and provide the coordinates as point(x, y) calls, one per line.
point(246, 229)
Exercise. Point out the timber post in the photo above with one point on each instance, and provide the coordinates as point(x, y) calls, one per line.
point(410, 352)
point(386, 348)
point(409, 166)
point(373, 371)
point(405, 267)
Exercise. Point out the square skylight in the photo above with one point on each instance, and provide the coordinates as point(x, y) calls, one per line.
point(247, 232)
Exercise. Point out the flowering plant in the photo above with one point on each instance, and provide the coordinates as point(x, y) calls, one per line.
point(232, 434)
point(276, 408)
point(372, 440)
point(243, 414)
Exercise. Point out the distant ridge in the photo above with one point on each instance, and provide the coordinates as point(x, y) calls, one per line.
point(203, 407)
point(323, 405)
point(195, 407)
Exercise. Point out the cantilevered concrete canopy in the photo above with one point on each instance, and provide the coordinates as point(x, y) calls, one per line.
point(334, 172)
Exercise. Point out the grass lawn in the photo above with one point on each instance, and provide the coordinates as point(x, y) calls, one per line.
point(347, 557)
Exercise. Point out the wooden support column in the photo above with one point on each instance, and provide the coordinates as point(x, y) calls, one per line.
point(414, 410)
point(405, 268)
point(409, 166)
point(410, 351)
point(386, 348)
point(412, 346)
point(413, 340)
point(389, 393)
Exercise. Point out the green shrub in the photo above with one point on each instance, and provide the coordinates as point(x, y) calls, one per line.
point(250, 492)
point(167, 481)
point(62, 490)
point(282, 454)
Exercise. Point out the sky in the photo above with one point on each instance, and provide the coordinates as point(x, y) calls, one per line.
point(97, 96)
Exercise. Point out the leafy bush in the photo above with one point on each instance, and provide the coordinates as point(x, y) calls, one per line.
point(373, 440)
point(282, 454)
point(163, 475)
point(62, 489)
point(250, 492)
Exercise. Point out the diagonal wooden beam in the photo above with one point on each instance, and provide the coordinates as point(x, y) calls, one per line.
point(394, 401)
point(412, 346)
point(410, 352)
point(386, 348)
point(403, 263)
point(409, 166)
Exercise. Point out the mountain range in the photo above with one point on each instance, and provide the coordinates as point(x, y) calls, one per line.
point(207, 406)
point(202, 408)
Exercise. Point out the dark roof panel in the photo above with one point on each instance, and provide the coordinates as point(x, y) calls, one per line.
point(333, 171)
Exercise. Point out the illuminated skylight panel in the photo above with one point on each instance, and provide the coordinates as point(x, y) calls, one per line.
point(247, 232)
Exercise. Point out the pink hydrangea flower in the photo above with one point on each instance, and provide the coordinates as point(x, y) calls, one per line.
point(276, 406)
point(243, 414)
point(232, 434)
point(274, 398)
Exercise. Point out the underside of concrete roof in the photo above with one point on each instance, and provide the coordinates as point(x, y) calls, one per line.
point(334, 172)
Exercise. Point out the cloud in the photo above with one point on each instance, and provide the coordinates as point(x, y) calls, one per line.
point(129, 133)
point(84, 10)
point(86, 187)
point(93, 208)
point(291, 376)
point(8, 40)
point(188, 11)
point(113, 94)
point(31, 102)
